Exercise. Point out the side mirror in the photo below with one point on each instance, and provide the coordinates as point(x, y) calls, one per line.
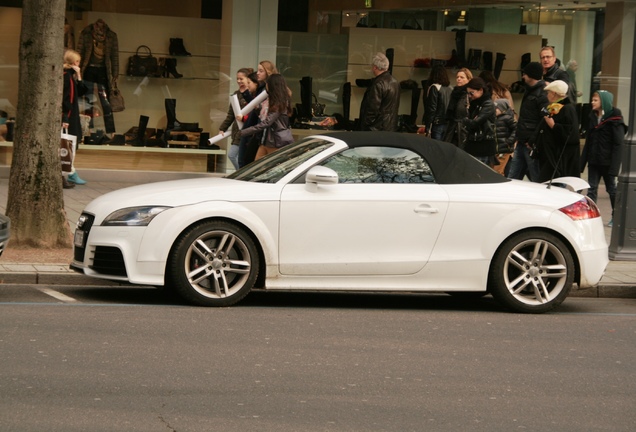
point(320, 175)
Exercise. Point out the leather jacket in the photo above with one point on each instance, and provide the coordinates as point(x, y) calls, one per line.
point(380, 104)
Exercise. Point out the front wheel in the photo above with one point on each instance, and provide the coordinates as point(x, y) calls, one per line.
point(214, 263)
point(532, 272)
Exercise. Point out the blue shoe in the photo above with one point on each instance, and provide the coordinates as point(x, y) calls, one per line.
point(611, 223)
point(74, 178)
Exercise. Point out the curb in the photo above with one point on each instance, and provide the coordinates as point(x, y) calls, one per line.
point(71, 278)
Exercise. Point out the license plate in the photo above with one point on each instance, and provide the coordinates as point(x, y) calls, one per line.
point(79, 238)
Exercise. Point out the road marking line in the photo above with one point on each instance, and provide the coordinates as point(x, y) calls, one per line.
point(57, 295)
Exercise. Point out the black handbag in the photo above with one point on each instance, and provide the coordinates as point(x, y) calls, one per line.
point(144, 64)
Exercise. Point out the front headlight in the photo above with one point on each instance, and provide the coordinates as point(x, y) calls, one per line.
point(133, 216)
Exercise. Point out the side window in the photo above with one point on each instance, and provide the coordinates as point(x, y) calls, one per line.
point(380, 165)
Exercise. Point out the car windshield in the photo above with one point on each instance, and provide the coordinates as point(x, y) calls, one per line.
point(277, 165)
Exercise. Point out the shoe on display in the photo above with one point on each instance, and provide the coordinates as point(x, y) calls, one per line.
point(75, 178)
point(611, 223)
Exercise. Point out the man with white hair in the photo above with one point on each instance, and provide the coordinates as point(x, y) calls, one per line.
point(381, 101)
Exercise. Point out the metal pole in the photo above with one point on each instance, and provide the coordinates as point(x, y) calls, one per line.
point(623, 241)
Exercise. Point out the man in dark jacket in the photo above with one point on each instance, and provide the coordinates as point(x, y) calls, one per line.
point(534, 99)
point(553, 72)
point(603, 145)
point(381, 101)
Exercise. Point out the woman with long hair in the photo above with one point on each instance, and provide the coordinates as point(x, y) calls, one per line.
point(480, 123)
point(244, 97)
point(275, 126)
point(458, 109)
point(498, 90)
point(436, 103)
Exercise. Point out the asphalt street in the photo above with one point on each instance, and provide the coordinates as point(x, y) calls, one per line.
point(111, 358)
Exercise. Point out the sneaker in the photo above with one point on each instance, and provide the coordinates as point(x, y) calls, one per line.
point(74, 178)
point(611, 223)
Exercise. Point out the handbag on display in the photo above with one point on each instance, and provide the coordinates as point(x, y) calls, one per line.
point(143, 64)
point(67, 150)
point(116, 100)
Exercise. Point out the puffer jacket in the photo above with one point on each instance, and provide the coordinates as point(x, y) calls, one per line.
point(604, 141)
point(380, 104)
point(534, 99)
point(505, 127)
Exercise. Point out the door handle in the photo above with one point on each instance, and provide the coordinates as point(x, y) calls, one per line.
point(426, 209)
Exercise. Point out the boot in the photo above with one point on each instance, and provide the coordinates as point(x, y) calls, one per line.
point(171, 68)
point(499, 65)
point(66, 184)
point(140, 139)
point(525, 60)
point(487, 56)
point(390, 52)
point(474, 61)
point(346, 100)
point(415, 99)
point(75, 178)
point(177, 48)
point(161, 68)
point(460, 44)
point(171, 114)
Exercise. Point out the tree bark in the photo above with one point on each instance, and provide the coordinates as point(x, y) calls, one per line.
point(36, 201)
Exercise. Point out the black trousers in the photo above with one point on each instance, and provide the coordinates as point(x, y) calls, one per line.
point(96, 78)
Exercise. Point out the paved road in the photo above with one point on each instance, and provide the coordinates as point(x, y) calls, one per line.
point(126, 359)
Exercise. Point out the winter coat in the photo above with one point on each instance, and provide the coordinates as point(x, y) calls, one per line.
point(506, 126)
point(605, 138)
point(480, 127)
point(456, 112)
point(556, 73)
point(276, 128)
point(530, 111)
point(230, 119)
point(111, 51)
point(435, 105)
point(72, 91)
point(558, 147)
point(380, 104)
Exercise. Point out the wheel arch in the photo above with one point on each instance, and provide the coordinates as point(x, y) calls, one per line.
point(566, 242)
point(262, 267)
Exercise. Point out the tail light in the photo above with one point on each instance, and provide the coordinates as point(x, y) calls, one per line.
point(584, 208)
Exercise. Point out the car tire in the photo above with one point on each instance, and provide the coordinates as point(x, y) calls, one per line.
point(532, 272)
point(213, 263)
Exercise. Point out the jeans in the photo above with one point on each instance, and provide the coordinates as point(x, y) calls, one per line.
point(438, 132)
point(522, 164)
point(233, 155)
point(594, 175)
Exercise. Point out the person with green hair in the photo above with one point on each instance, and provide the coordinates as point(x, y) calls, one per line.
point(603, 146)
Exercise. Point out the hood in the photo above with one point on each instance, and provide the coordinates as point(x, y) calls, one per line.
point(607, 102)
point(503, 105)
point(178, 193)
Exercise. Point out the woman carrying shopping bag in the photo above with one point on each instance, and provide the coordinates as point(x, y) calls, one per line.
point(74, 87)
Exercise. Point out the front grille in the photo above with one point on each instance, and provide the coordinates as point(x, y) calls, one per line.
point(109, 261)
point(80, 251)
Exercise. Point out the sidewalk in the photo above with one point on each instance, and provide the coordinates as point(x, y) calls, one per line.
point(619, 279)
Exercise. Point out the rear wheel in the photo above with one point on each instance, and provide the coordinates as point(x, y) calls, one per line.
point(532, 272)
point(214, 264)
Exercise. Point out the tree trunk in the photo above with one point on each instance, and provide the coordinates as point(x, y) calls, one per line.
point(36, 202)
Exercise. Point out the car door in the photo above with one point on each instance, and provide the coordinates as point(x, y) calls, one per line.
point(383, 217)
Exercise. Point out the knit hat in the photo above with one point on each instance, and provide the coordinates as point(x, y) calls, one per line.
point(534, 70)
point(559, 87)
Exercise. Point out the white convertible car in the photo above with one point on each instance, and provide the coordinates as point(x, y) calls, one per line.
point(350, 211)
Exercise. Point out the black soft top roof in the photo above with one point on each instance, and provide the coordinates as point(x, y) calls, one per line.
point(450, 164)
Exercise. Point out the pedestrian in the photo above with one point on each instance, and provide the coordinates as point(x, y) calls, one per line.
point(534, 99)
point(73, 88)
point(381, 100)
point(498, 90)
point(506, 126)
point(458, 109)
point(480, 123)
point(230, 119)
point(603, 147)
point(436, 103)
point(248, 145)
point(557, 137)
point(552, 70)
point(275, 127)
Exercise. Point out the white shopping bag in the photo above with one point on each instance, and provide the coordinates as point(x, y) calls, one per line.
point(68, 146)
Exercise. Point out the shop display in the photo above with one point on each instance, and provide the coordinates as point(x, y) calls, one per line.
point(142, 63)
